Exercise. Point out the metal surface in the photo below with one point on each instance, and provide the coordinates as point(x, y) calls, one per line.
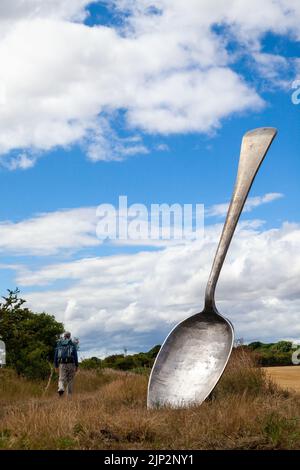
point(195, 353)
point(2, 353)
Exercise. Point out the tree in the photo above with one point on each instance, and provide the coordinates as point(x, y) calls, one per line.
point(283, 346)
point(91, 363)
point(125, 363)
point(30, 337)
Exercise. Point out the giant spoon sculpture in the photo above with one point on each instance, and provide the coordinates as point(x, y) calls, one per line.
point(195, 353)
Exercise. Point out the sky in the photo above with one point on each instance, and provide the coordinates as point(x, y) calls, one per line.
point(149, 100)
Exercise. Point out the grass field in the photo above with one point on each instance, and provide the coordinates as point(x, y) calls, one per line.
point(286, 377)
point(108, 411)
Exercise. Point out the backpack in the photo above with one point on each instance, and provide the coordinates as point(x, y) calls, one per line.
point(65, 349)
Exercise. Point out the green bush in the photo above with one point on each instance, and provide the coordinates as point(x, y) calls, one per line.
point(91, 363)
point(267, 359)
point(272, 354)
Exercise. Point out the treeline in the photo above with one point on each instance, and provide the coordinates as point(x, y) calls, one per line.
point(273, 354)
point(265, 354)
point(139, 362)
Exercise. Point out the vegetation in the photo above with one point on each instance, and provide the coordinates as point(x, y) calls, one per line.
point(108, 411)
point(141, 362)
point(30, 337)
point(272, 354)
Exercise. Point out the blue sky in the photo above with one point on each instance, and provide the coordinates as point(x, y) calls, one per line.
point(94, 109)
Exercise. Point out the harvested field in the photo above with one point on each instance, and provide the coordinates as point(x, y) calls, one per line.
point(287, 377)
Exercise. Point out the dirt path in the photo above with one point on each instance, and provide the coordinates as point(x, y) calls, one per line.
point(285, 377)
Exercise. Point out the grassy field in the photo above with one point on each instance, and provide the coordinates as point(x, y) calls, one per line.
point(108, 411)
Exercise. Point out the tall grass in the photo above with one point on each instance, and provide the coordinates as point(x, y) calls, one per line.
point(108, 411)
point(243, 376)
point(14, 388)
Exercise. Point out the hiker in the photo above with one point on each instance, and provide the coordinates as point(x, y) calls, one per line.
point(66, 363)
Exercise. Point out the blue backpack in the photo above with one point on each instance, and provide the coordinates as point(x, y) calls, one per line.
point(65, 351)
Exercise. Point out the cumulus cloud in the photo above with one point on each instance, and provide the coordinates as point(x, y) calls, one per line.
point(133, 300)
point(108, 300)
point(164, 70)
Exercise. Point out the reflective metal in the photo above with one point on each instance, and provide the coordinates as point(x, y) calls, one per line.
point(195, 353)
point(2, 353)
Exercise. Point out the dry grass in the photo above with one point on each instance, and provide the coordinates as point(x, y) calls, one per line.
point(246, 411)
point(12, 388)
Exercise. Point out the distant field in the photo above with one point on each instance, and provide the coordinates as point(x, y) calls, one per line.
point(286, 377)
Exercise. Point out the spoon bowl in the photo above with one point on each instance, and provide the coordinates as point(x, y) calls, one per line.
point(195, 353)
point(197, 349)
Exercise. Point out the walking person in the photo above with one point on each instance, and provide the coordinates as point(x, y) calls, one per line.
point(66, 363)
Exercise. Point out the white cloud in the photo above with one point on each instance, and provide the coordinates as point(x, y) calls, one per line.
point(50, 233)
point(22, 161)
point(67, 231)
point(275, 68)
point(162, 148)
point(167, 73)
point(60, 79)
point(220, 210)
point(64, 9)
point(105, 145)
point(134, 300)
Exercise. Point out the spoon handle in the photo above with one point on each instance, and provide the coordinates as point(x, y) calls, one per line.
point(255, 146)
